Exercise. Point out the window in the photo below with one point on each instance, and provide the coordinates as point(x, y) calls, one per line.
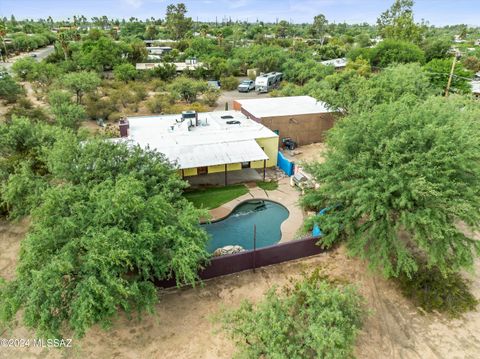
point(202, 170)
point(245, 165)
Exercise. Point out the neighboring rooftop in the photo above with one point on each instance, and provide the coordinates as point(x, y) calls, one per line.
point(476, 87)
point(210, 141)
point(283, 106)
point(337, 63)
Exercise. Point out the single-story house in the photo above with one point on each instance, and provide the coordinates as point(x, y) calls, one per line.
point(302, 118)
point(338, 64)
point(476, 88)
point(179, 66)
point(204, 143)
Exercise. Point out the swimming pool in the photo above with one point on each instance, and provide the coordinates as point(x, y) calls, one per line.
point(237, 228)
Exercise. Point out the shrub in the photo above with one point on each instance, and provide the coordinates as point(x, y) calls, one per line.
point(431, 290)
point(139, 91)
point(187, 89)
point(312, 318)
point(229, 83)
point(9, 89)
point(99, 108)
point(125, 72)
point(25, 108)
point(158, 103)
point(211, 96)
point(68, 115)
point(58, 97)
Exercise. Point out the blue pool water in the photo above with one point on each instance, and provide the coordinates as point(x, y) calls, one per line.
point(237, 228)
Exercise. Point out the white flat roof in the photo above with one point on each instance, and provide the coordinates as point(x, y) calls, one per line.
point(283, 106)
point(212, 142)
point(340, 62)
point(476, 87)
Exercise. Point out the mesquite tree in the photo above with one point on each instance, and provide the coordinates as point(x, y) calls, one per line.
point(403, 184)
point(111, 223)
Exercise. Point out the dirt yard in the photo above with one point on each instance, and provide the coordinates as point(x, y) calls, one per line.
point(307, 153)
point(182, 327)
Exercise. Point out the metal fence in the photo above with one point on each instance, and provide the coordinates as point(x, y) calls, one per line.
point(252, 259)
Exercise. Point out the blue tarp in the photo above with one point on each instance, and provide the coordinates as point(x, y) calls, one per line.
point(285, 165)
point(316, 229)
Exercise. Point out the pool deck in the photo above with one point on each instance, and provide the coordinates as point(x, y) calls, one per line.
point(285, 194)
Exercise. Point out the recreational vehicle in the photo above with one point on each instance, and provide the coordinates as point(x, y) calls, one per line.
point(267, 82)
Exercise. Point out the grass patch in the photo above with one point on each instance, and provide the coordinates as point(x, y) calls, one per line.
point(214, 197)
point(268, 186)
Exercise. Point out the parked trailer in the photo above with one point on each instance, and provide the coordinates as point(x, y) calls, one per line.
point(267, 82)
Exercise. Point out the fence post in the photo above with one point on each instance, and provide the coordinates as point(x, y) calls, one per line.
point(254, 245)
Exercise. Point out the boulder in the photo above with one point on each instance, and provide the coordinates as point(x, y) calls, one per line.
point(227, 250)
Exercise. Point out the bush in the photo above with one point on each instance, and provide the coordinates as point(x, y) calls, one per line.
point(187, 89)
point(25, 108)
point(431, 290)
point(58, 97)
point(312, 318)
point(9, 89)
point(158, 103)
point(229, 83)
point(125, 72)
point(99, 108)
point(68, 115)
point(211, 96)
point(394, 51)
point(139, 91)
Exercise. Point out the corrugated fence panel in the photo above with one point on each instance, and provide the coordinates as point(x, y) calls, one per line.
point(285, 165)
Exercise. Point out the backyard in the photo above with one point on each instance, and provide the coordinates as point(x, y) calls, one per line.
point(183, 325)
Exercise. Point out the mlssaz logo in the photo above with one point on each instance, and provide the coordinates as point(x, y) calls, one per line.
point(53, 343)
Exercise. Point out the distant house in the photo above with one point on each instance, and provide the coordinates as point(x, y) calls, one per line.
point(302, 118)
point(205, 143)
point(338, 64)
point(458, 40)
point(476, 88)
point(179, 66)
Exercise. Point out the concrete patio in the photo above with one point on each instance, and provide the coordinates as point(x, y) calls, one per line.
point(285, 194)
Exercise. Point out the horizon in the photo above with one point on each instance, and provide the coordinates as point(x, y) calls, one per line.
point(435, 12)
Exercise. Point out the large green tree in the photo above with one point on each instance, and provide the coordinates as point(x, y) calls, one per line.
point(80, 83)
point(439, 70)
point(348, 92)
point(112, 223)
point(403, 185)
point(398, 22)
point(176, 21)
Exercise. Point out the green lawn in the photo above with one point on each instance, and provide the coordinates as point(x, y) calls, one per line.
point(268, 186)
point(214, 197)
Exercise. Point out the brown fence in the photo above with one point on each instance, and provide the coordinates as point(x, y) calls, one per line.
point(265, 256)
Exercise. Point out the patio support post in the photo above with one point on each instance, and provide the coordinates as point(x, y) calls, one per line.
point(264, 169)
point(225, 174)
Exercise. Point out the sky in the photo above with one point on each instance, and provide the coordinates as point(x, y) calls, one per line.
point(436, 12)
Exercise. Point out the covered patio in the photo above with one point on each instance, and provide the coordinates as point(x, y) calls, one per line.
point(229, 177)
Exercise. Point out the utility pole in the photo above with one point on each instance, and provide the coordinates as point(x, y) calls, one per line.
point(451, 74)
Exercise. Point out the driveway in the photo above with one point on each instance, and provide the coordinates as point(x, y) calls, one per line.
point(41, 53)
point(230, 96)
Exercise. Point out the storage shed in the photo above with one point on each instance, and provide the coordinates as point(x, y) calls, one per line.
point(302, 118)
